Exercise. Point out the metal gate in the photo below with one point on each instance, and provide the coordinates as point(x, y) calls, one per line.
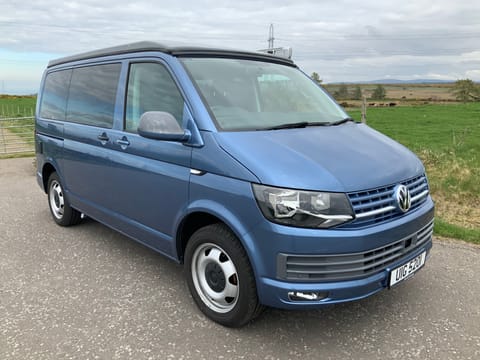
point(17, 135)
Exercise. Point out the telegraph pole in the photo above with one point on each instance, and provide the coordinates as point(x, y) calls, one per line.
point(270, 37)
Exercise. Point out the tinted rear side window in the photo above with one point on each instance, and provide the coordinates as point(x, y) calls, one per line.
point(54, 98)
point(93, 90)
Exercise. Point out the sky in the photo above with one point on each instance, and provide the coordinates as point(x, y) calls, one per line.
point(341, 40)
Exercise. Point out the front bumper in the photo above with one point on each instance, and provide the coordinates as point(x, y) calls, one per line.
point(313, 275)
point(336, 292)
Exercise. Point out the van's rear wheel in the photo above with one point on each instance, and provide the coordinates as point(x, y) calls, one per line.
point(60, 208)
point(220, 277)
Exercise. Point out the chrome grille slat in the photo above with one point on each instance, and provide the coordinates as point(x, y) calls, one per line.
point(417, 197)
point(376, 212)
point(377, 205)
point(349, 266)
point(373, 194)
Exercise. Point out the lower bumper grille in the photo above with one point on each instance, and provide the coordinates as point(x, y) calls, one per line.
point(349, 266)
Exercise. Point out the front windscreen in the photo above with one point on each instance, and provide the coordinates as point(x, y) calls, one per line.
point(255, 95)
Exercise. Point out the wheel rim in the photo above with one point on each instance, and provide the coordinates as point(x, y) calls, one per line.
point(215, 278)
point(57, 200)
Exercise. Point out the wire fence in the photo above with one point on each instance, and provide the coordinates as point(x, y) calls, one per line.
point(17, 135)
point(12, 110)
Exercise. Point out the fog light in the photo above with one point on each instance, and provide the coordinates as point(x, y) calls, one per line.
point(306, 295)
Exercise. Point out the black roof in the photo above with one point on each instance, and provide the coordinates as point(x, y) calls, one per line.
point(176, 50)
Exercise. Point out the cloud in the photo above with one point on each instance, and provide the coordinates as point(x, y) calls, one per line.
point(342, 40)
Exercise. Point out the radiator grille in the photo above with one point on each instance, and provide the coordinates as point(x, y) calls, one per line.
point(378, 205)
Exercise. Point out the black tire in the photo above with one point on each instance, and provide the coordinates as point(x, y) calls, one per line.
point(220, 277)
point(63, 214)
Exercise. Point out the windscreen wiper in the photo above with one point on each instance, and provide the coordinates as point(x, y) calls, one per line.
point(296, 125)
point(303, 124)
point(340, 122)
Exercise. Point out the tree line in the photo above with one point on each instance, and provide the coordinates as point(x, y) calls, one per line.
point(379, 93)
point(465, 90)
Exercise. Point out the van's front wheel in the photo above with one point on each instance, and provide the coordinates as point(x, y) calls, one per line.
point(62, 212)
point(220, 277)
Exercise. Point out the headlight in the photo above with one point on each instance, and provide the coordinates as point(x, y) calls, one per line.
point(300, 208)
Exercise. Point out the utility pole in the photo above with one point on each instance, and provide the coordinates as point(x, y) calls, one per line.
point(270, 37)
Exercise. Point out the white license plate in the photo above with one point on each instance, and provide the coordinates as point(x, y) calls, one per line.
point(408, 269)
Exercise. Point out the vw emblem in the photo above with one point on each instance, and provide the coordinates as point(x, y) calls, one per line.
point(402, 196)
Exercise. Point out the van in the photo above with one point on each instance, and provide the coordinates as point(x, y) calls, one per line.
point(237, 165)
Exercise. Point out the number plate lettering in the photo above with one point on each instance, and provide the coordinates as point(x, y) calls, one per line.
point(408, 269)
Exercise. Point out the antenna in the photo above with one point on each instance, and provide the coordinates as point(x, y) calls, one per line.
point(285, 52)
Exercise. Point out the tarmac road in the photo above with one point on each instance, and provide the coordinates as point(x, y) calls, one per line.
point(87, 292)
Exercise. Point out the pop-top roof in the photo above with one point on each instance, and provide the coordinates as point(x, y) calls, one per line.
point(172, 49)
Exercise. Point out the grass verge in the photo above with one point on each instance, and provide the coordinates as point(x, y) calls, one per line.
point(445, 137)
point(19, 155)
point(443, 228)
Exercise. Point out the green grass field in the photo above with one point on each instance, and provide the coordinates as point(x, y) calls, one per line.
point(17, 106)
point(447, 139)
point(12, 106)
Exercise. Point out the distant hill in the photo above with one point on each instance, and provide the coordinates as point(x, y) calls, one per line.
point(416, 81)
point(396, 81)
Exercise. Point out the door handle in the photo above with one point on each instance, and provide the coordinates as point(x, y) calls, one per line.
point(103, 138)
point(123, 142)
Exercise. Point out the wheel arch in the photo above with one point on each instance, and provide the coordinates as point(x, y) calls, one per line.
point(189, 224)
point(207, 214)
point(47, 170)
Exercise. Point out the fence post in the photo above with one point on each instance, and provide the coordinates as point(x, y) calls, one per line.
point(2, 135)
point(364, 109)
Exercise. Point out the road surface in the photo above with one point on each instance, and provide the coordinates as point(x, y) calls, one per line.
point(87, 292)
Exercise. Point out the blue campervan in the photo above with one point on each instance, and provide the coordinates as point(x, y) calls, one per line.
point(237, 165)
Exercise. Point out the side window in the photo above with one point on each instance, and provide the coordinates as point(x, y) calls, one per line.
point(151, 88)
point(93, 90)
point(54, 97)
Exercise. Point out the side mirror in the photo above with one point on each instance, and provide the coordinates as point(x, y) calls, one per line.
point(160, 125)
